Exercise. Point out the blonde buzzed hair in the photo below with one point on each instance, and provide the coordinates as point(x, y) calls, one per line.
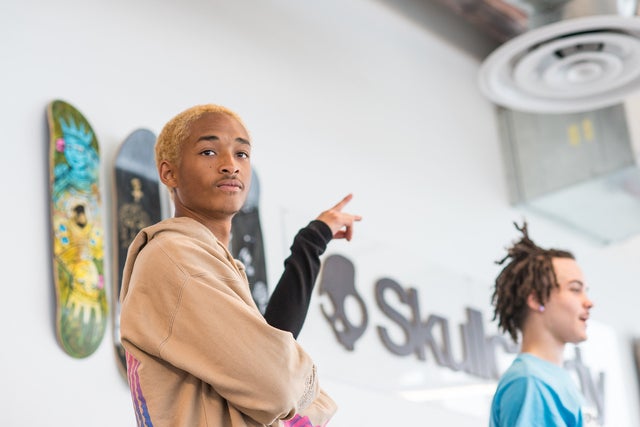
point(175, 133)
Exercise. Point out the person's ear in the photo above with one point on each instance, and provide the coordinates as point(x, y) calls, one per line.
point(168, 174)
point(533, 303)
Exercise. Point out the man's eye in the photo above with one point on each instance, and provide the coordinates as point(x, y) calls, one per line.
point(208, 153)
point(243, 155)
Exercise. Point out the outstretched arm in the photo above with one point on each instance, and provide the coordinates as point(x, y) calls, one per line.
point(289, 303)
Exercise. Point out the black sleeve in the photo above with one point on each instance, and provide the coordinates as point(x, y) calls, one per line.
point(289, 302)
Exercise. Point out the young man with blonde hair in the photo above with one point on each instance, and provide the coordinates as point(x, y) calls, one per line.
point(199, 352)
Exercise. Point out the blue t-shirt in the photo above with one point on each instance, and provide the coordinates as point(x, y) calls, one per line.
point(534, 392)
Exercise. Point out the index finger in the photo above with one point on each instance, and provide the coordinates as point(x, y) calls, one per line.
point(343, 202)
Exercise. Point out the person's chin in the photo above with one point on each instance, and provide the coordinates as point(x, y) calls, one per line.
point(234, 208)
point(234, 200)
point(581, 338)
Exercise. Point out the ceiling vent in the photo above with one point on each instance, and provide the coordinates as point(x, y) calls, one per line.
point(559, 78)
point(571, 56)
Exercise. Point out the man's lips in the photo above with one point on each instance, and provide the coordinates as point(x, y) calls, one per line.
point(232, 185)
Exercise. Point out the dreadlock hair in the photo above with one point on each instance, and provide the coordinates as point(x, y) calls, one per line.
point(528, 271)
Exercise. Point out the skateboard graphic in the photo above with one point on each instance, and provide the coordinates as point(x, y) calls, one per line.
point(247, 245)
point(77, 232)
point(138, 204)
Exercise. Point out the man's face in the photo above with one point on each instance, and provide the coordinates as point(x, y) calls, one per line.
point(567, 309)
point(214, 173)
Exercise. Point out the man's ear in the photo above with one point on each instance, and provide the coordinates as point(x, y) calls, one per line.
point(533, 303)
point(168, 174)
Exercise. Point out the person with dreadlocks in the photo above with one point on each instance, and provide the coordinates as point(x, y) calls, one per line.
point(541, 294)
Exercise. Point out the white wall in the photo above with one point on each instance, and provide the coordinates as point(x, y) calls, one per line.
point(339, 97)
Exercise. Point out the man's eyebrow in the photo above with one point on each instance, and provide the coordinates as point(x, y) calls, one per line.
point(576, 282)
point(208, 138)
point(215, 138)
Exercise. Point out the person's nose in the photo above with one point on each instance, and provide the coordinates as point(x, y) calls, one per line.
point(588, 303)
point(228, 164)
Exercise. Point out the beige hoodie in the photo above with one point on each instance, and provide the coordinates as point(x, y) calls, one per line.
point(199, 353)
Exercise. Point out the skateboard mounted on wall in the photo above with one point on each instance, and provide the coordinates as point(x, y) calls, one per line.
point(137, 204)
point(247, 245)
point(77, 232)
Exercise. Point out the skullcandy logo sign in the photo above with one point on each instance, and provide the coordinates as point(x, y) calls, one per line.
point(337, 282)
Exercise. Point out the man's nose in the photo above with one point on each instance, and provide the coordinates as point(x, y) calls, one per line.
point(588, 303)
point(228, 164)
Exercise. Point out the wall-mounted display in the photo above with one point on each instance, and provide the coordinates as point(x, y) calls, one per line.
point(77, 232)
point(137, 204)
point(247, 244)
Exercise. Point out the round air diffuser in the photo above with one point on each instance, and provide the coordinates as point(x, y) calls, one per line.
point(569, 66)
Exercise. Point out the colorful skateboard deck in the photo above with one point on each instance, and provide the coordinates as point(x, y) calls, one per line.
point(77, 232)
point(247, 244)
point(138, 204)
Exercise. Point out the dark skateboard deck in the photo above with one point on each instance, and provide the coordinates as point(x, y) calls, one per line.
point(247, 244)
point(138, 204)
point(77, 232)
